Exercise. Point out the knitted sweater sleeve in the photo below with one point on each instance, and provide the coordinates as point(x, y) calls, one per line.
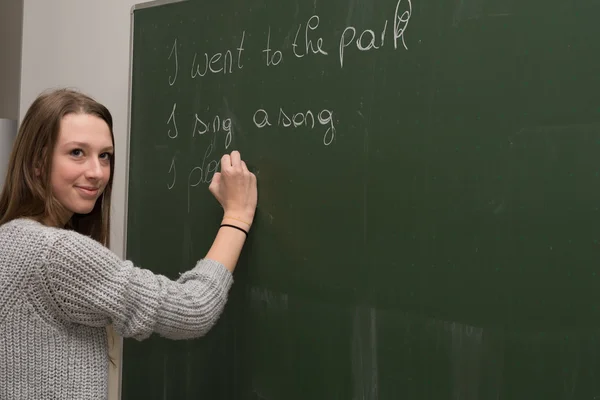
point(88, 284)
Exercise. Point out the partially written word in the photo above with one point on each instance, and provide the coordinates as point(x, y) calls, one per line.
point(201, 173)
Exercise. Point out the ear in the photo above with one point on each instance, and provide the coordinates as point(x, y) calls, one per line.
point(38, 168)
point(39, 163)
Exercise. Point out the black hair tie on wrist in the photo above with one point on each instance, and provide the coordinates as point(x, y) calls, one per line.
point(235, 227)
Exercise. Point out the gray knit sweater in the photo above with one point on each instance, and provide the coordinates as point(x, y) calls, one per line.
point(58, 292)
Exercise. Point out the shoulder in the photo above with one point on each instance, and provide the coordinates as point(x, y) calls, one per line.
point(30, 227)
point(24, 225)
point(59, 242)
point(26, 232)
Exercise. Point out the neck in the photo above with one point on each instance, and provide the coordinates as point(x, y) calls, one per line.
point(60, 221)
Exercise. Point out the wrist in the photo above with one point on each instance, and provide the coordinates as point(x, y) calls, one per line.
point(238, 220)
point(239, 229)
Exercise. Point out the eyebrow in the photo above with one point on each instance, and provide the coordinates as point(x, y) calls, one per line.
point(85, 145)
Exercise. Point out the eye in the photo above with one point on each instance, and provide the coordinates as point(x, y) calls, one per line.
point(76, 152)
point(106, 156)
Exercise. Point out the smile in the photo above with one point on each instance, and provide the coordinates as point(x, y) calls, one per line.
point(88, 191)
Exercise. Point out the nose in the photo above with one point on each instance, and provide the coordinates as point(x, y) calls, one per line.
point(93, 171)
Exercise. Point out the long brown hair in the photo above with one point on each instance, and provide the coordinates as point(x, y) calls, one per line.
point(27, 193)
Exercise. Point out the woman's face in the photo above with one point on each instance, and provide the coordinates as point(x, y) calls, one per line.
point(81, 162)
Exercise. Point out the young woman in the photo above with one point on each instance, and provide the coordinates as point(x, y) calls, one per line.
point(60, 286)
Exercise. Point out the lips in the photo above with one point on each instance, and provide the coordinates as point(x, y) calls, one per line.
point(88, 191)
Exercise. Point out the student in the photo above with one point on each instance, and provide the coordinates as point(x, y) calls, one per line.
point(60, 286)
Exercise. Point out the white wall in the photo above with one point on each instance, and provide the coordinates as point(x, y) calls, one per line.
point(83, 44)
point(8, 132)
point(11, 18)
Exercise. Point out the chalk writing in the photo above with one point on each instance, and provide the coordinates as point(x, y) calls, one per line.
point(217, 125)
point(261, 118)
point(400, 24)
point(369, 40)
point(172, 168)
point(346, 40)
point(306, 119)
point(172, 118)
point(218, 62)
point(276, 57)
point(174, 51)
point(214, 132)
point(202, 173)
point(309, 47)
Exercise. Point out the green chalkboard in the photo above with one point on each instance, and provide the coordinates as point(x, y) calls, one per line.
point(429, 196)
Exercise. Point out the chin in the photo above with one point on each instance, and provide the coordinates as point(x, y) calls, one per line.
point(86, 212)
point(83, 210)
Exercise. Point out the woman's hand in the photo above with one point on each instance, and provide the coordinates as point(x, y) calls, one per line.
point(235, 189)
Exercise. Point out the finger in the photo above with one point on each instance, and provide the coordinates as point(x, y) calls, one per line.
point(215, 182)
point(225, 161)
point(244, 166)
point(236, 159)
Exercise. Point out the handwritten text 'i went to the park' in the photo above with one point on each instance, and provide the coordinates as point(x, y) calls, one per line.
point(307, 42)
